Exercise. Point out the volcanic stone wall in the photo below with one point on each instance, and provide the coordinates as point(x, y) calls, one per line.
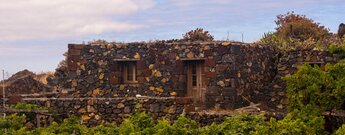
point(94, 111)
point(233, 72)
point(274, 96)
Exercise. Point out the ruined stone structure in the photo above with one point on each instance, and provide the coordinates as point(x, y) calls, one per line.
point(108, 82)
point(213, 74)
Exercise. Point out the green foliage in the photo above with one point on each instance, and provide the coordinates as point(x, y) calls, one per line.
point(163, 127)
point(184, 126)
point(104, 129)
point(198, 35)
point(140, 123)
point(11, 124)
point(312, 86)
point(24, 106)
point(238, 124)
point(69, 126)
point(337, 50)
point(341, 130)
point(298, 122)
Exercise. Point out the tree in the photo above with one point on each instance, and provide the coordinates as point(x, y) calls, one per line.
point(300, 27)
point(198, 35)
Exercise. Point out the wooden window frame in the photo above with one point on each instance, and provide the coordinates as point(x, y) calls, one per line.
point(129, 65)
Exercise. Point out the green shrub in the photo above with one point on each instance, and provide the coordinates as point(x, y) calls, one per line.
point(25, 106)
point(298, 122)
point(104, 129)
point(140, 123)
point(337, 50)
point(300, 27)
point(12, 124)
point(198, 35)
point(341, 130)
point(69, 126)
point(184, 125)
point(163, 127)
point(312, 86)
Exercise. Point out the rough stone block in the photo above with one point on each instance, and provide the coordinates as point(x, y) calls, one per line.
point(141, 65)
point(210, 62)
point(210, 74)
point(221, 68)
point(178, 67)
point(114, 80)
point(73, 52)
point(183, 100)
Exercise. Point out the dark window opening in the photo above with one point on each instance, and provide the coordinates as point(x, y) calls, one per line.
point(194, 76)
point(129, 72)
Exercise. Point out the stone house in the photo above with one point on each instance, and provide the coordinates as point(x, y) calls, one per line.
point(216, 74)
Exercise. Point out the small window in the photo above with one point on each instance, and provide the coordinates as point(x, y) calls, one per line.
point(129, 72)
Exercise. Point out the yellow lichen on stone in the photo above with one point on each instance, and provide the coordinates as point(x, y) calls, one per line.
point(86, 117)
point(280, 106)
point(190, 55)
point(137, 56)
point(158, 74)
point(122, 87)
point(152, 88)
point(82, 67)
point(164, 80)
point(101, 76)
point(226, 43)
point(105, 53)
point(147, 79)
point(160, 90)
point(96, 92)
point(151, 66)
point(74, 83)
point(177, 58)
point(138, 106)
point(173, 93)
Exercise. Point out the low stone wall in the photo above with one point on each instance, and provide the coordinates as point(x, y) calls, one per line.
point(274, 95)
point(98, 110)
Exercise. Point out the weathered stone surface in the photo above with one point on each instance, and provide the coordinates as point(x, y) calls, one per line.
point(254, 71)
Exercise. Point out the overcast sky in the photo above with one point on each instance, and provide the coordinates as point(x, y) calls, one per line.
point(34, 33)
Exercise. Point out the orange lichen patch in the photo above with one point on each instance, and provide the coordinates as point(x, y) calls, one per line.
point(86, 117)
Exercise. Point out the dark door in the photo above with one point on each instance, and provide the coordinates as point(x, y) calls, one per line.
point(196, 88)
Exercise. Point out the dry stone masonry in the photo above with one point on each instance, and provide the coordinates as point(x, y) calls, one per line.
point(231, 74)
point(94, 111)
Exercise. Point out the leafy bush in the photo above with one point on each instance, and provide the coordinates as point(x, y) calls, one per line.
point(104, 129)
point(240, 124)
point(24, 106)
point(297, 32)
point(312, 86)
point(337, 50)
point(185, 126)
point(306, 121)
point(12, 123)
point(69, 126)
point(163, 127)
point(140, 123)
point(299, 27)
point(341, 130)
point(198, 35)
